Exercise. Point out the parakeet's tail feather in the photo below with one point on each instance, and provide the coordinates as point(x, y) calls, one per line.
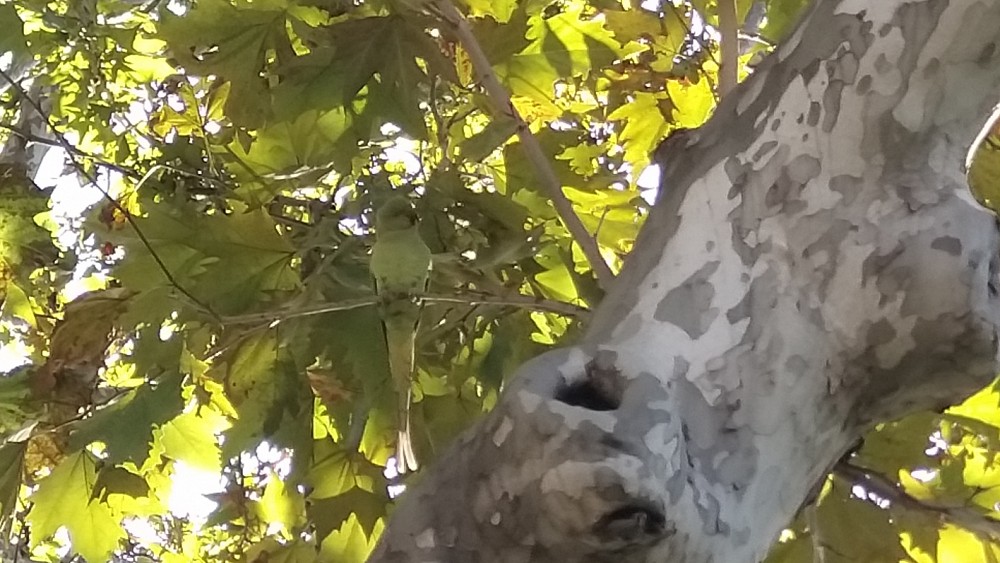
point(406, 459)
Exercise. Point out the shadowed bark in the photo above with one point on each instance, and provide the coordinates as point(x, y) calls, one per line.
point(815, 264)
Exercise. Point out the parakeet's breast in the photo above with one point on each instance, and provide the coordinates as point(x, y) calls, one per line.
point(400, 262)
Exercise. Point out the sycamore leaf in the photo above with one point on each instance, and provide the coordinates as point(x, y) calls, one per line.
point(564, 45)
point(227, 261)
point(17, 305)
point(192, 438)
point(271, 551)
point(144, 408)
point(119, 481)
point(11, 31)
point(11, 464)
point(331, 513)
point(348, 544)
point(281, 505)
point(65, 498)
point(644, 127)
point(219, 38)
point(273, 400)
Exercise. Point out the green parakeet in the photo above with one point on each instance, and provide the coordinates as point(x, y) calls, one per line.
point(401, 265)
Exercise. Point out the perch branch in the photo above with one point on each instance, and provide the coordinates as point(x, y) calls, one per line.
point(502, 103)
point(520, 301)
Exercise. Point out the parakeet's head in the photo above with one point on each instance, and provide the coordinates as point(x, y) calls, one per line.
point(396, 214)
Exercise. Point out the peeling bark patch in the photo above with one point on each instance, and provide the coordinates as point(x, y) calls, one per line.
point(881, 332)
point(708, 509)
point(796, 365)
point(681, 367)
point(877, 263)
point(985, 57)
point(951, 245)
point(688, 306)
point(831, 100)
point(864, 85)
point(740, 311)
point(847, 186)
point(803, 168)
point(764, 149)
point(814, 113)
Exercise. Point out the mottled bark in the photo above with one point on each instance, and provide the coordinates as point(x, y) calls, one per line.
point(816, 263)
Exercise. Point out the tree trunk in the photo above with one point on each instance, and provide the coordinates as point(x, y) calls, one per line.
point(815, 264)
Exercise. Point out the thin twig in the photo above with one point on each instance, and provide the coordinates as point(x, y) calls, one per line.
point(465, 298)
point(730, 42)
point(294, 313)
point(883, 487)
point(516, 300)
point(98, 161)
point(71, 153)
point(450, 15)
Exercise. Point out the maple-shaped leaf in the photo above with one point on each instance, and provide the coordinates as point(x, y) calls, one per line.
point(565, 45)
point(227, 261)
point(281, 504)
point(273, 400)
point(331, 513)
point(232, 41)
point(65, 498)
point(144, 408)
point(388, 57)
point(192, 438)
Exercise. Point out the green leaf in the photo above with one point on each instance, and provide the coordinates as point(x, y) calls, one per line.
point(65, 498)
point(144, 408)
point(192, 438)
point(11, 31)
point(119, 481)
point(17, 305)
point(272, 399)
point(331, 513)
point(568, 44)
point(781, 16)
point(644, 127)
point(218, 38)
point(282, 505)
point(11, 466)
point(204, 252)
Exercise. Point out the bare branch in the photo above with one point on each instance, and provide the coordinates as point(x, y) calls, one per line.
point(516, 300)
point(730, 43)
point(298, 312)
point(883, 487)
point(447, 11)
point(467, 298)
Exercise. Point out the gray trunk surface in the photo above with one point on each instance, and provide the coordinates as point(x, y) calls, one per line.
point(815, 264)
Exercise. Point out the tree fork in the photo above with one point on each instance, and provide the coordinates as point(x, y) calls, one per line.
point(815, 264)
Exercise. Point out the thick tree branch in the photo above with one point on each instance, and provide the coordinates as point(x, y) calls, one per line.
point(816, 264)
point(884, 488)
point(502, 103)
